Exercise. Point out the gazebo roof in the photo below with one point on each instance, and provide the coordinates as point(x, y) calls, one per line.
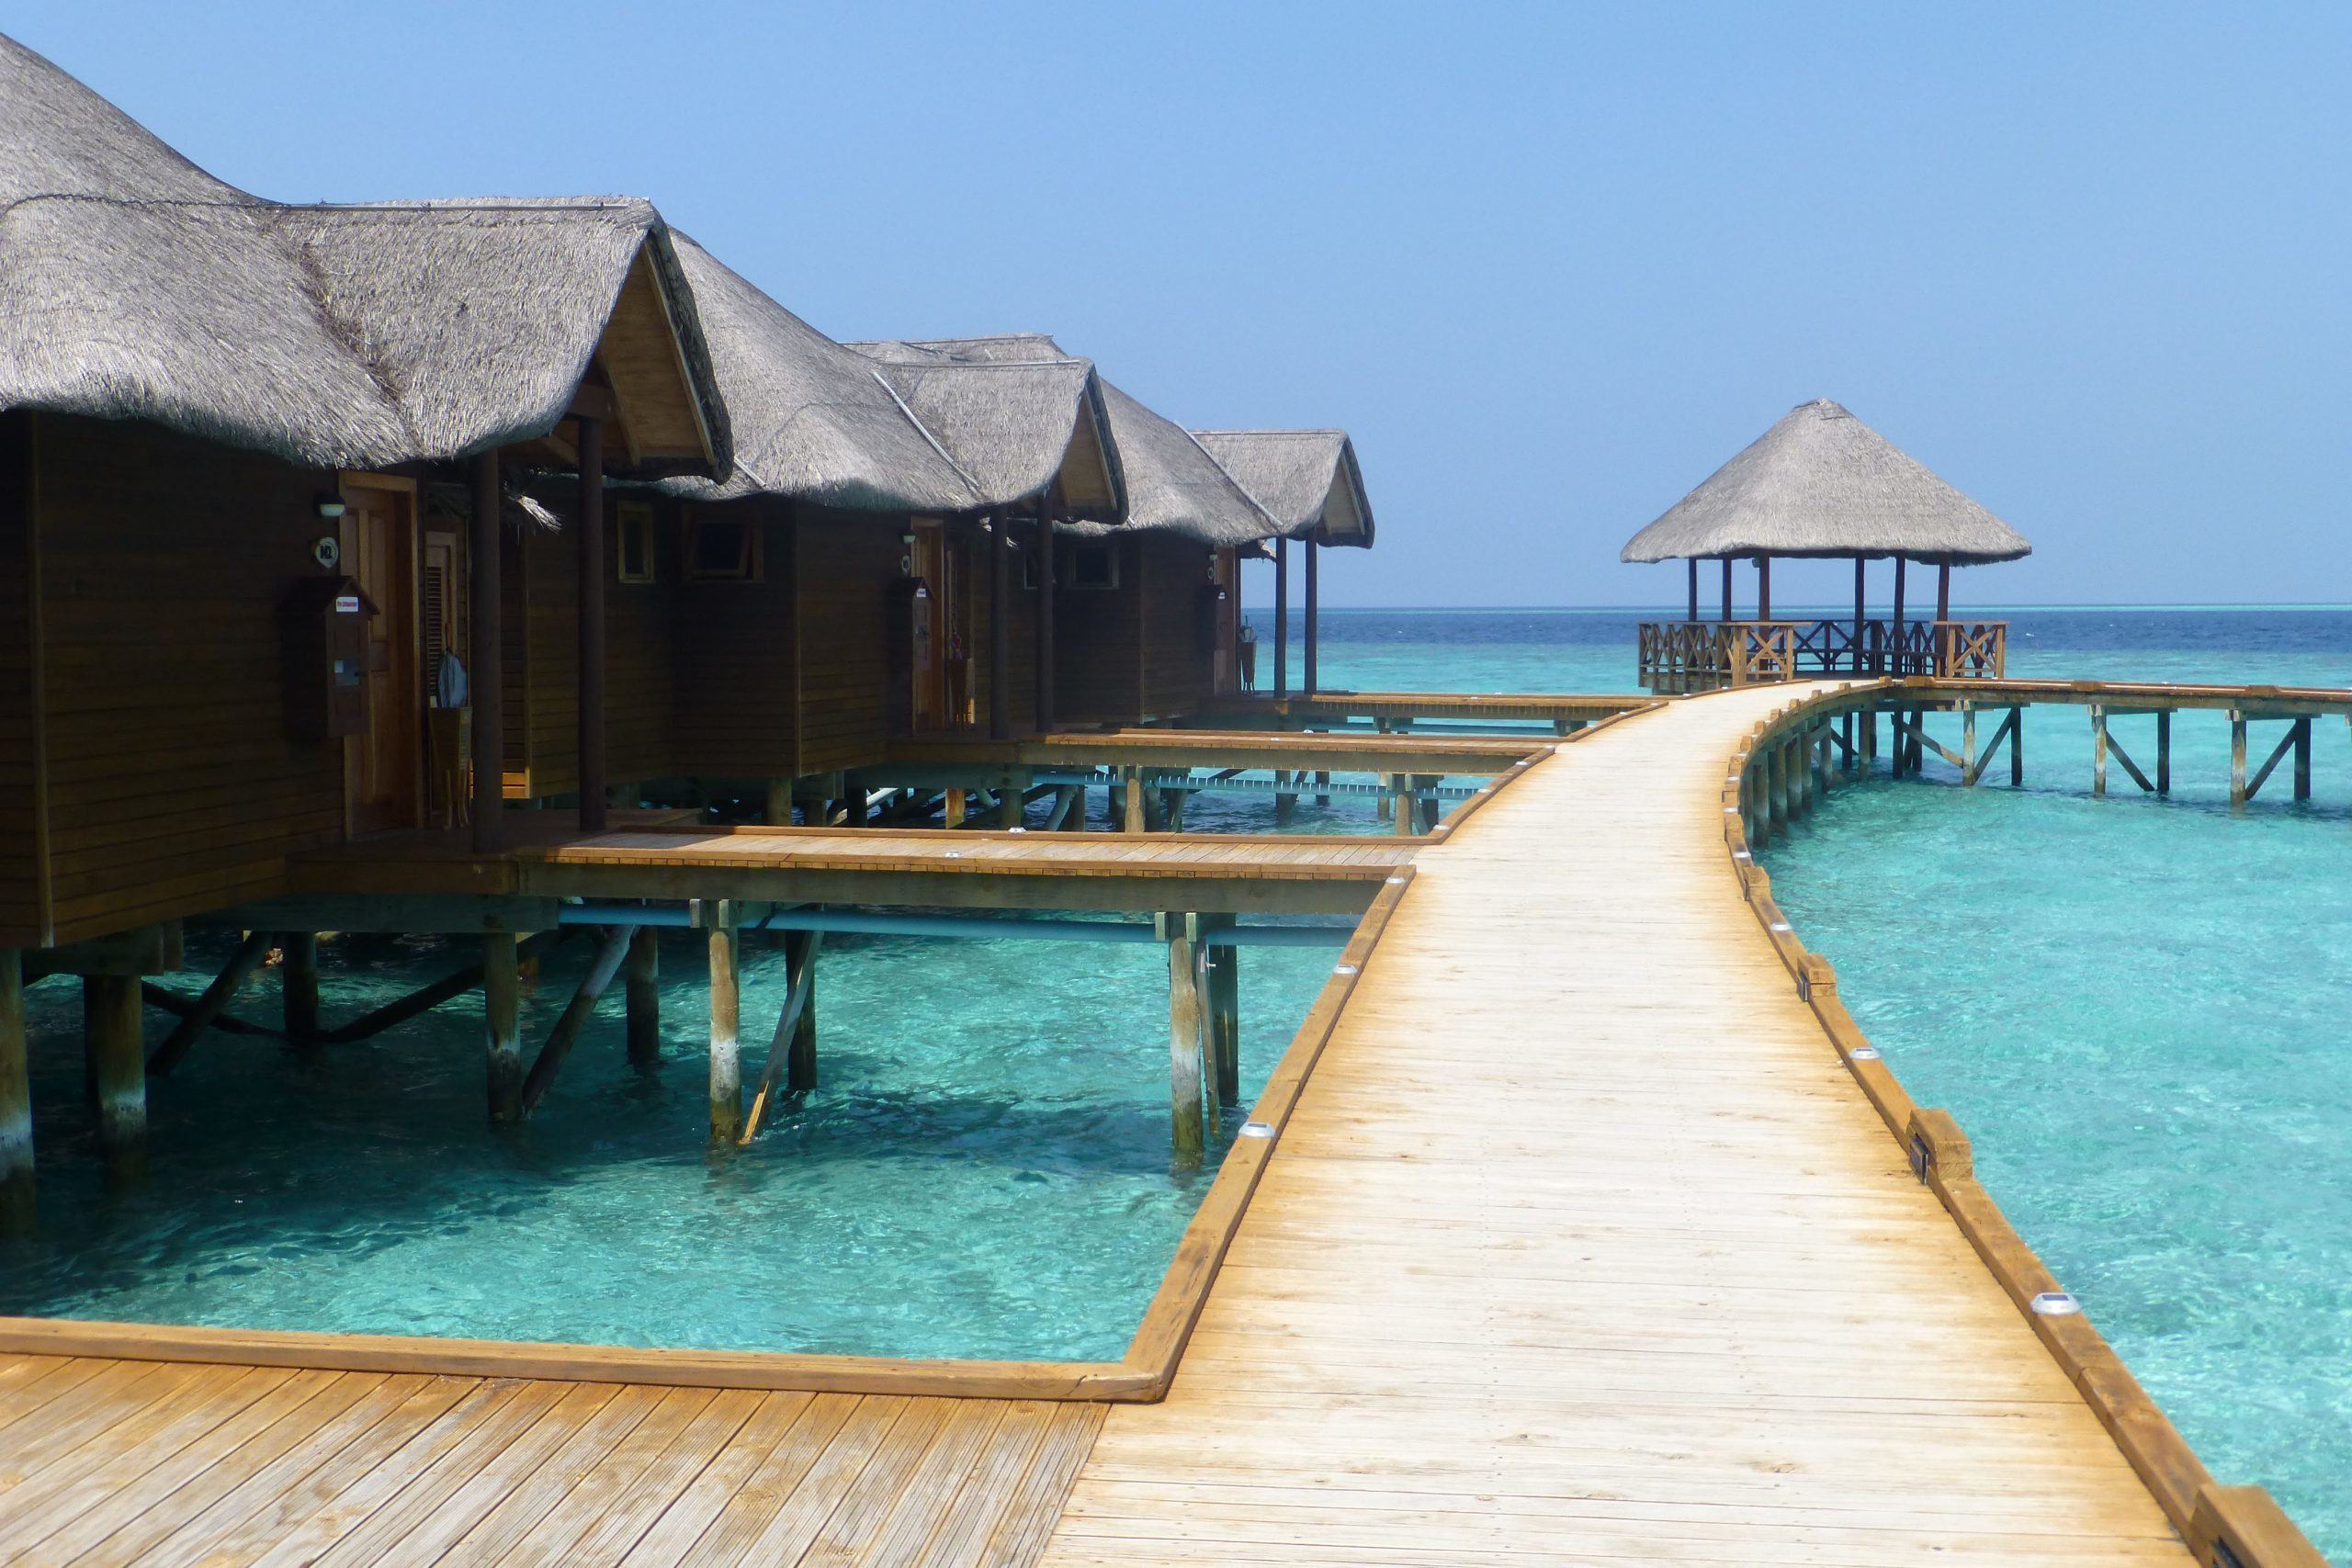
point(1821, 482)
point(1306, 479)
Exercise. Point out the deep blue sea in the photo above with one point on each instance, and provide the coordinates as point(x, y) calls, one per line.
point(2134, 1007)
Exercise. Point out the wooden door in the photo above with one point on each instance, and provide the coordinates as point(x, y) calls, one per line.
point(931, 649)
point(382, 769)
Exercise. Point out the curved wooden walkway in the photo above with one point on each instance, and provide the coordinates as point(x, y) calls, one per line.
point(1581, 1246)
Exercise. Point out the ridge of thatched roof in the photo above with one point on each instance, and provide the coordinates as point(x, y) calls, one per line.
point(135, 285)
point(1306, 479)
point(813, 421)
point(1171, 481)
point(1820, 482)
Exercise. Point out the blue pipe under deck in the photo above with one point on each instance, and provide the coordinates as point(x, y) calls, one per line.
point(1198, 783)
point(870, 923)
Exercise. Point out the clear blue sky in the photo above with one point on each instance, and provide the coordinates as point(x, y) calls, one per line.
point(1550, 265)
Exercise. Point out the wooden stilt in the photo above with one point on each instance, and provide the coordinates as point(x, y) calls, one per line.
point(1185, 1079)
point(611, 949)
point(725, 1015)
point(297, 977)
point(501, 998)
point(2017, 748)
point(1010, 800)
point(2302, 758)
point(1069, 808)
point(1221, 968)
point(2287, 742)
point(113, 1024)
point(16, 1211)
point(644, 982)
point(1758, 796)
point(2163, 750)
point(779, 807)
point(1968, 744)
point(792, 1051)
point(952, 812)
point(1131, 787)
point(209, 1005)
point(2237, 758)
point(1323, 794)
point(1776, 786)
point(1868, 718)
point(1406, 803)
point(2099, 749)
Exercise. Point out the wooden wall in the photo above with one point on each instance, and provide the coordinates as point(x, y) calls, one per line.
point(1178, 645)
point(846, 565)
point(1138, 651)
point(172, 785)
point(540, 589)
point(733, 678)
point(23, 880)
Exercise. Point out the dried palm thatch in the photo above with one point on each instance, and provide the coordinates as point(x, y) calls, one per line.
point(1171, 483)
point(1823, 483)
point(1306, 479)
point(812, 420)
point(135, 285)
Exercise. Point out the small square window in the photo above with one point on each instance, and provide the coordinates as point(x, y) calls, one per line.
point(634, 521)
point(722, 549)
point(1093, 565)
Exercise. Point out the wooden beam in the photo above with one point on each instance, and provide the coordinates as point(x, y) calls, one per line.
point(487, 667)
point(725, 1015)
point(1131, 795)
point(1011, 799)
point(588, 531)
point(791, 1059)
point(2237, 757)
point(114, 1027)
point(1186, 1080)
point(502, 1006)
point(610, 950)
point(643, 984)
point(298, 979)
point(2004, 731)
point(17, 1207)
point(225, 985)
point(2163, 750)
point(2116, 747)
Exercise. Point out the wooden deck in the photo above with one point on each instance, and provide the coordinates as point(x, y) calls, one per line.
point(547, 858)
point(1449, 707)
point(1582, 1245)
point(167, 1465)
point(1438, 754)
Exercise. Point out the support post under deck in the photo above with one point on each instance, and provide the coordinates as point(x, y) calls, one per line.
point(297, 977)
point(2098, 751)
point(1776, 787)
point(2302, 758)
point(2237, 758)
point(2163, 750)
point(114, 1030)
point(15, 1099)
point(1186, 1080)
point(642, 980)
point(1221, 1000)
point(502, 1003)
point(726, 1020)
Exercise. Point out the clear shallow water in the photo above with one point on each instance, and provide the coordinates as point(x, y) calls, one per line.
point(984, 1171)
point(2154, 1077)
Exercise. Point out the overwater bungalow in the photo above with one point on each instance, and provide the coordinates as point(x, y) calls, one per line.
point(1309, 483)
point(1821, 484)
point(247, 449)
point(1141, 607)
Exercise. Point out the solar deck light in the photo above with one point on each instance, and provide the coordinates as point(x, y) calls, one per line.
point(1864, 1053)
point(2055, 1304)
point(1780, 925)
point(1343, 969)
point(1741, 854)
point(1257, 1129)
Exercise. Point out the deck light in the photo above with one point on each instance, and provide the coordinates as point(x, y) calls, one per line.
point(1257, 1129)
point(1741, 854)
point(2055, 1304)
point(1343, 969)
point(1780, 925)
point(1395, 882)
point(1864, 1053)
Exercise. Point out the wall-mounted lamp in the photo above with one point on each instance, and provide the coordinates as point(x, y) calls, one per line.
point(330, 506)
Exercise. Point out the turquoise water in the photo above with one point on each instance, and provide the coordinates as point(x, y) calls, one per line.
point(983, 1172)
point(2134, 1006)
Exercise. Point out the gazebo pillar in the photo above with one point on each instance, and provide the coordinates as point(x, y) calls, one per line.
point(1000, 538)
point(1763, 587)
point(1861, 614)
point(1044, 546)
point(1895, 636)
point(1693, 564)
point(1306, 668)
point(1943, 591)
point(1726, 587)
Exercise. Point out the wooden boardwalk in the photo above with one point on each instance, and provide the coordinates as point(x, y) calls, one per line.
point(1578, 1245)
point(1581, 1246)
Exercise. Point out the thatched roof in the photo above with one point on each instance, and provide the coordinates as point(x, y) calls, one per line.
point(812, 420)
point(1018, 426)
point(1171, 481)
point(1823, 483)
point(1306, 479)
point(135, 285)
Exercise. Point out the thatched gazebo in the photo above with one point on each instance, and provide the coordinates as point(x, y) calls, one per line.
point(1308, 482)
point(1821, 484)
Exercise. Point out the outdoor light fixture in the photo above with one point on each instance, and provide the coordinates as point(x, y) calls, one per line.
point(1343, 969)
point(330, 506)
point(1863, 1053)
point(2055, 1304)
point(1257, 1129)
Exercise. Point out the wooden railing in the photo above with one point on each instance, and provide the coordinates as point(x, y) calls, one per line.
point(1703, 656)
